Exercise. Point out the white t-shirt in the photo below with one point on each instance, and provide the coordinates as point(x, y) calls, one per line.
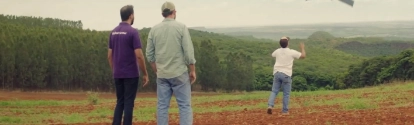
point(284, 60)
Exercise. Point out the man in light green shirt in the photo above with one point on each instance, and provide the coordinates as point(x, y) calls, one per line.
point(170, 51)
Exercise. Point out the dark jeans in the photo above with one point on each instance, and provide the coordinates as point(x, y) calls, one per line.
point(126, 91)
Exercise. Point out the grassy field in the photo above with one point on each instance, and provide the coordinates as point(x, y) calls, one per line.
point(386, 104)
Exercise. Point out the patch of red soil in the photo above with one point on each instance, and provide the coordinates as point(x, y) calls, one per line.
point(305, 115)
point(230, 103)
point(298, 100)
point(394, 116)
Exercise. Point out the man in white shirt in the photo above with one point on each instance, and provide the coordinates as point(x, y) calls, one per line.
point(282, 72)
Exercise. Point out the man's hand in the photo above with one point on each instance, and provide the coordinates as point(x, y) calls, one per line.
point(145, 80)
point(193, 77)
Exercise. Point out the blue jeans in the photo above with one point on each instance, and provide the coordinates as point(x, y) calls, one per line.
point(126, 91)
point(281, 80)
point(181, 88)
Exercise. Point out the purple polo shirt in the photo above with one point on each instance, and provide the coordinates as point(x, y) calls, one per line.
point(123, 40)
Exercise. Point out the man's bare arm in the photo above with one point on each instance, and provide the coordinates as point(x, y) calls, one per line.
point(141, 61)
point(303, 52)
point(192, 67)
point(110, 46)
point(110, 59)
point(154, 67)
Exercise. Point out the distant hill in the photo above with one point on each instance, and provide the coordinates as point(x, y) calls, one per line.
point(361, 46)
point(391, 30)
point(199, 28)
point(321, 35)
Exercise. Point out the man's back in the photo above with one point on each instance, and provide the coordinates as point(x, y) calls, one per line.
point(173, 48)
point(284, 60)
point(123, 41)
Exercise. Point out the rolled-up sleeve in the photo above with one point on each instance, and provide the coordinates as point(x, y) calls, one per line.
point(150, 50)
point(187, 46)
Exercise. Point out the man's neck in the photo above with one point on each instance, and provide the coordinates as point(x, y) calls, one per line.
point(128, 22)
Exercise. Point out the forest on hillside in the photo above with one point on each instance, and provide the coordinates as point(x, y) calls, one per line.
point(375, 49)
point(392, 30)
point(44, 54)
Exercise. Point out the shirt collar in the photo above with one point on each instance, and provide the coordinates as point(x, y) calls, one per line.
point(123, 23)
point(168, 19)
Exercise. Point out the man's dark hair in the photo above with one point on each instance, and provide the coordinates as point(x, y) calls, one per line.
point(283, 43)
point(166, 12)
point(126, 11)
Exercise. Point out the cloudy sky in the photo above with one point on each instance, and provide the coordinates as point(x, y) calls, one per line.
point(104, 14)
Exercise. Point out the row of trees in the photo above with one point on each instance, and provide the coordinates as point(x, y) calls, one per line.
point(379, 70)
point(370, 72)
point(54, 54)
point(38, 57)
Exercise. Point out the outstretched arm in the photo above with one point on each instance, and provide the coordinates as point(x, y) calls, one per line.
point(299, 55)
point(302, 49)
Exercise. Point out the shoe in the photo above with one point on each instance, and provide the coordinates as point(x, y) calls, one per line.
point(269, 110)
point(285, 113)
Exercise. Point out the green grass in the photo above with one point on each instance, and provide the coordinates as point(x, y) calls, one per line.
point(384, 96)
point(74, 118)
point(30, 103)
point(10, 120)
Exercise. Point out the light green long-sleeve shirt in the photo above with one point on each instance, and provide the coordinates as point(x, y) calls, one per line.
point(169, 45)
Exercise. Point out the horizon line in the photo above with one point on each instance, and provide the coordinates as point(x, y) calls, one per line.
point(301, 24)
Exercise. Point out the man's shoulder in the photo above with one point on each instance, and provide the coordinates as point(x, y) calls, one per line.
point(115, 29)
point(293, 51)
point(284, 50)
point(124, 31)
point(156, 26)
point(179, 24)
point(132, 30)
point(127, 29)
point(278, 49)
point(175, 23)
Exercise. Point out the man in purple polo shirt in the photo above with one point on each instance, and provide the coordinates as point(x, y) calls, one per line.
point(124, 56)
